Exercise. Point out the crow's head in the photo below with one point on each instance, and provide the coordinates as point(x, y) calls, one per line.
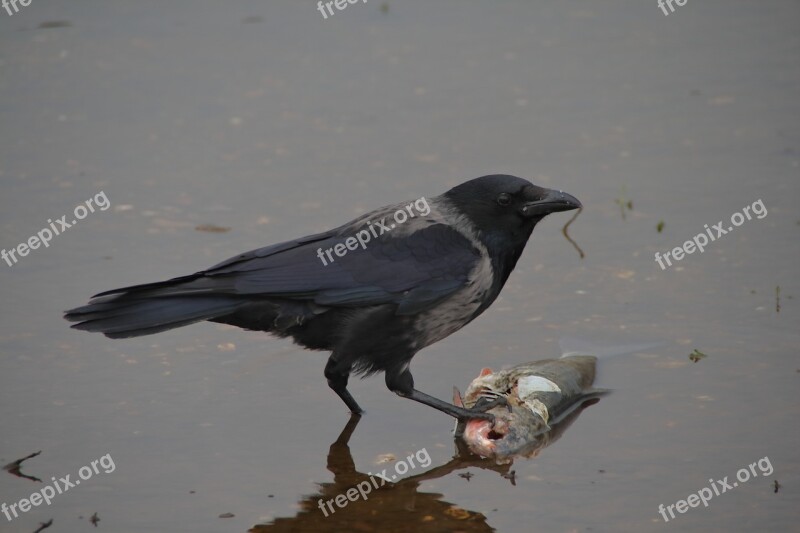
point(507, 208)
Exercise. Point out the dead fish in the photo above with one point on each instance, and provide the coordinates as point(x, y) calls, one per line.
point(533, 399)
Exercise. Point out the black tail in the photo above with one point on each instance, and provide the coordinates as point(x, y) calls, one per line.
point(148, 309)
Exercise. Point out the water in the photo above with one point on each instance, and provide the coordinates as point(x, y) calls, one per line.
point(274, 122)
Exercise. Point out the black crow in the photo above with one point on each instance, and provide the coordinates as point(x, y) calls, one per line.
point(374, 291)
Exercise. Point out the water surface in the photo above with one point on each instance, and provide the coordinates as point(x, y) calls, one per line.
point(269, 120)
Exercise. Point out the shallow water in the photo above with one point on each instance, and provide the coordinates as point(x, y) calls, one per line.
point(274, 122)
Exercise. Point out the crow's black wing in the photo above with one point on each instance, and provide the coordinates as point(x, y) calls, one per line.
point(414, 270)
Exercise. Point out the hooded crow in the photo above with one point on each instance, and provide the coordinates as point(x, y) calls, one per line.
point(373, 304)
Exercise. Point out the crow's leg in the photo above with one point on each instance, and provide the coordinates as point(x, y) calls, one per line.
point(337, 380)
point(401, 382)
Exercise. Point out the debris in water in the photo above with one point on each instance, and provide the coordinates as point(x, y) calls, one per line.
point(623, 202)
point(696, 355)
point(660, 226)
point(211, 228)
point(227, 515)
point(777, 486)
point(94, 519)
point(55, 24)
point(14, 467)
point(45, 525)
point(466, 475)
point(777, 298)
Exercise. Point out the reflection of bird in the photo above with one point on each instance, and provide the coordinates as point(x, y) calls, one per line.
point(375, 302)
point(393, 507)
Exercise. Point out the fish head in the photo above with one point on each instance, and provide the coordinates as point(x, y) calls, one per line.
point(513, 432)
point(486, 380)
point(513, 425)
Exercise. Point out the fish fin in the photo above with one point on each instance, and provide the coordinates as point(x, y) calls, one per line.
point(539, 409)
point(596, 392)
point(458, 428)
point(457, 400)
point(485, 372)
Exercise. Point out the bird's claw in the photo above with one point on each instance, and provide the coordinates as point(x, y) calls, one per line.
point(484, 404)
point(476, 414)
point(482, 407)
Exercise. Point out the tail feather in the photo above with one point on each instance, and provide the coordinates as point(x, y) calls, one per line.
point(130, 315)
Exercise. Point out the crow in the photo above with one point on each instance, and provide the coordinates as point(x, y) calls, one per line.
point(373, 291)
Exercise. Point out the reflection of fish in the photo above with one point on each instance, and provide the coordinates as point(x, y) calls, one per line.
point(539, 396)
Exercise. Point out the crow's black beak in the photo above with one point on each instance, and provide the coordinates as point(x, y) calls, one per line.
point(553, 202)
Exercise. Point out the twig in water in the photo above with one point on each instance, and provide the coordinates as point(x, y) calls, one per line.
point(14, 467)
point(564, 231)
point(43, 526)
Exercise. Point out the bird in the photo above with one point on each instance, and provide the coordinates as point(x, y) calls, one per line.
point(373, 292)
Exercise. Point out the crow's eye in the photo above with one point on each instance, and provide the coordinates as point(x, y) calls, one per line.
point(504, 199)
